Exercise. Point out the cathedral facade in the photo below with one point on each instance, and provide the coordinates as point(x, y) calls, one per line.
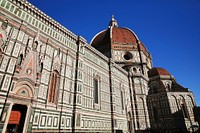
point(52, 80)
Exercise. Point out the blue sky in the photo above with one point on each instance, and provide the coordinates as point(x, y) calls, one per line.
point(170, 29)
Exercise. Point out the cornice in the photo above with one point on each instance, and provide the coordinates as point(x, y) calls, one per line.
point(26, 6)
point(96, 52)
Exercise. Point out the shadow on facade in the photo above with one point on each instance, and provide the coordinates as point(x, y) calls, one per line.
point(196, 111)
point(17, 119)
point(181, 124)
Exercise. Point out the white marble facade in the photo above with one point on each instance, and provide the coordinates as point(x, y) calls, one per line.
point(59, 83)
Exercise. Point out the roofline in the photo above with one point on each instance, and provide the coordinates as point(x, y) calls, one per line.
point(96, 36)
point(132, 32)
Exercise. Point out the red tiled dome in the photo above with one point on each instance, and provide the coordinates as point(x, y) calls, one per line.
point(121, 39)
point(158, 71)
point(102, 38)
point(123, 36)
point(117, 38)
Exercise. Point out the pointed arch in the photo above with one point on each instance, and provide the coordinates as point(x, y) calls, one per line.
point(56, 63)
point(173, 104)
point(122, 98)
point(142, 105)
point(96, 89)
point(54, 87)
point(190, 100)
point(168, 87)
point(25, 88)
point(183, 106)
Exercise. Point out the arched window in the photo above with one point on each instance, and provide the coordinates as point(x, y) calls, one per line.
point(96, 91)
point(122, 99)
point(128, 56)
point(141, 106)
point(168, 87)
point(53, 87)
point(190, 101)
point(184, 111)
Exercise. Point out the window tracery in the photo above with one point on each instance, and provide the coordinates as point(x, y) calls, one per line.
point(53, 87)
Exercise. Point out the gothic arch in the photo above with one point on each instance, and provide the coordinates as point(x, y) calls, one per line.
point(56, 63)
point(190, 99)
point(142, 105)
point(96, 75)
point(25, 89)
point(96, 88)
point(181, 99)
point(168, 87)
point(53, 92)
point(173, 98)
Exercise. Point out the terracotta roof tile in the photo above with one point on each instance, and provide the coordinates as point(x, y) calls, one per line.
point(158, 71)
point(122, 39)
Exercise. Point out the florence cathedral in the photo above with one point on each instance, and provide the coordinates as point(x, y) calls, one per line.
point(52, 80)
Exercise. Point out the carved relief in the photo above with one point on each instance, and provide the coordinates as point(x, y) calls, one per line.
point(3, 33)
point(24, 89)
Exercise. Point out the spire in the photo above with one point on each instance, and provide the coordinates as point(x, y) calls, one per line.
point(113, 22)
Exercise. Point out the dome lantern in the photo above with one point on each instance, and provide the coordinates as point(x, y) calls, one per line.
point(113, 22)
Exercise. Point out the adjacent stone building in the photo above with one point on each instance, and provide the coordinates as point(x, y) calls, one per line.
point(170, 105)
point(52, 80)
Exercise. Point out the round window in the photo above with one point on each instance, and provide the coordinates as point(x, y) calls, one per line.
point(128, 56)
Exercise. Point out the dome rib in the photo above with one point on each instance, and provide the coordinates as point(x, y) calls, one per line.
point(117, 38)
point(123, 36)
point(97, 37)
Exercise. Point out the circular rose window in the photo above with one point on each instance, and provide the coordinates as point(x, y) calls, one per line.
point(128, 56)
